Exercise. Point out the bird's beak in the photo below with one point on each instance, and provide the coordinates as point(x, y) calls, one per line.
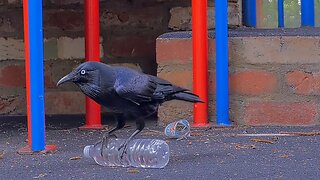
point(66, 78)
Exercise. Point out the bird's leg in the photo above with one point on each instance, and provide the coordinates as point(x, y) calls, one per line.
point(104, 141)
point(140, 125)
point(107, 135)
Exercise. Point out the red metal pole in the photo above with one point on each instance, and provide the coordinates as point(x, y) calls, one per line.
point(92, 53)
point(32, 24)
point(27, 64)
point(200, 60)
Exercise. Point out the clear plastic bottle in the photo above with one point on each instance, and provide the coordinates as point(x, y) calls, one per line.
point(145, 153)
point(178, 129)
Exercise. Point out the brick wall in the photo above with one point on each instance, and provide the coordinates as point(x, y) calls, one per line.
point(274, 76)
point(129, 29)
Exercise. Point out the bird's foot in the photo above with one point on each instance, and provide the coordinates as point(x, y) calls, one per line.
point(105, 137)
point(112, 135)
point(124, 148)
point(104, 141)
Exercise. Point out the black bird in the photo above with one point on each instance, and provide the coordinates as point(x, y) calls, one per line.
point(125, 91)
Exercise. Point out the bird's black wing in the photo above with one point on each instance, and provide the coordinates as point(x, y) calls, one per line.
point(133, 86)
point(164, 88)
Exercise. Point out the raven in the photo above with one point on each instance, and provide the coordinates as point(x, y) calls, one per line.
point(124, 91)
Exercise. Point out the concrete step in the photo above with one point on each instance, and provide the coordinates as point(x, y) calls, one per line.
point(274, 75)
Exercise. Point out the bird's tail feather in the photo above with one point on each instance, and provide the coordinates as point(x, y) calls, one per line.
point(187, 96)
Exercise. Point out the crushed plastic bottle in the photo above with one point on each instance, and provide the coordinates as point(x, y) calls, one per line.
point(145, 153)
point(178, 129)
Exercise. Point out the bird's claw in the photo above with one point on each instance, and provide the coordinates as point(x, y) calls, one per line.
point(104, 140)
point(113, 136)
point(124, 149)
point(122, 154)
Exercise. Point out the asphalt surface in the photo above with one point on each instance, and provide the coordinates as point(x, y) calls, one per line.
point(211, 153)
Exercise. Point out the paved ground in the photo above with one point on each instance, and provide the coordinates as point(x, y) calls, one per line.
point(215, 153)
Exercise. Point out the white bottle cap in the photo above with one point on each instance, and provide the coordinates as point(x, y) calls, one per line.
point(86, 151)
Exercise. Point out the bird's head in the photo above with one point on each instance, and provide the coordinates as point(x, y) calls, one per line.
point(84, 73)
point(87, 77)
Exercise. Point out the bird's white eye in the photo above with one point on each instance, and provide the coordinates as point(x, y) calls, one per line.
point(83, 72)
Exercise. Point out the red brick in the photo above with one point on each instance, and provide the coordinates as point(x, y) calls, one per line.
point(253, 82)
point(12, 75)
point(281, 113)
point(10, 21)
point(48, 76)
point(130, 46)
point(122, 14)
point(245, 83)
point(212, 82)
point(173, 111)
point(304, 83)
point(64, 102)
point(64, 19)
point(275, 49)
point(181, 78)
point(11, 104)
point(64, 2)
point(174, 51)
point(48, 82)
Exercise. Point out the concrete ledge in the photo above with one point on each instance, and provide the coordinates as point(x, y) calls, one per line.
point(249, 46)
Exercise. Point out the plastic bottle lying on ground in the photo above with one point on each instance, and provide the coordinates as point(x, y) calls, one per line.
point(178, 129)
point(145, 153)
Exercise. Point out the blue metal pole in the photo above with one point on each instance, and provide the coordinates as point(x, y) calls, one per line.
point(249, 12)
point(307, 13)
point(36, 75)
point(222, 82)
point(280, 14)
